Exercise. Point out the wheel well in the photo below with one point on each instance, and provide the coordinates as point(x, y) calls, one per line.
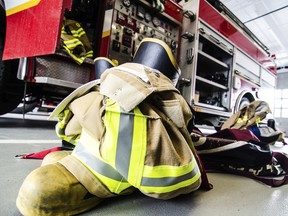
point(249, 96)
point(243, 99)
point(11, 89)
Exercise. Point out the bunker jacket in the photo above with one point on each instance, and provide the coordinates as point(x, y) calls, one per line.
point(131, 133)
point(75, 41)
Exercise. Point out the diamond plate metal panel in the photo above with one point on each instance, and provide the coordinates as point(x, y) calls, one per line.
point(50, 66)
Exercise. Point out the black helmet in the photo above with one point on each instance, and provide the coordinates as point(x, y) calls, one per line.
point(101, 64)
point(156, 54)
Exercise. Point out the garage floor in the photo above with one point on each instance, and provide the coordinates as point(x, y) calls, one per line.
point(232, 195)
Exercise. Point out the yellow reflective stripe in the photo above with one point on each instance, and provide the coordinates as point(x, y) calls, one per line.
point(77, 59)
point(128, 131)
point(63, 30)
point(87, 151)
point(114, 186)
point(89, 54)
point(63, 118)
point(170, 178)
point(73, 43)
point(258, 120)
point(138, 151)
point(74, 40)
point(81, 34)
point(242, 119)
point(60, 133)
point(171, 188)
point(78, 33)
point(111, 121)
point(75, 33)
point(166, 170)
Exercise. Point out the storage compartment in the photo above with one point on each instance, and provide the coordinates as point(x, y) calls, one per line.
point(251, 73)
point(268, 77)
point(213, 73)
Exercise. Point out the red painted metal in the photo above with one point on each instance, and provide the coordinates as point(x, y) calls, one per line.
point(105, 46)
point(174, 10)
point(35, 31)
point(211, 16)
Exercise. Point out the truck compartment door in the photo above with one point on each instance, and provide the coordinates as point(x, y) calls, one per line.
point(33, 29)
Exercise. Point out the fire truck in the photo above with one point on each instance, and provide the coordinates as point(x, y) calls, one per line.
point(223, 65)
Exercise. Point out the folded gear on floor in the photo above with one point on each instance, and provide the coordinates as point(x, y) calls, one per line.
point(130, 132)
point(242, 147)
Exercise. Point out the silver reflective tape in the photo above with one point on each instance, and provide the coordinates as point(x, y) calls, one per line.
point(168, 181)
point(97, 165)
point(124, 143)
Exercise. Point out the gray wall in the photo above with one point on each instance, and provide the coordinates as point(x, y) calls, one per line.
point(282, 79)
point(282, 83)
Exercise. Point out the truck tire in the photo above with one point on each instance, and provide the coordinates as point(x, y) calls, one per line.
point(246, 100)
point(11, 89)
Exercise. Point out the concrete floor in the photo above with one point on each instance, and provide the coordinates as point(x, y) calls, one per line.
point(232, 195)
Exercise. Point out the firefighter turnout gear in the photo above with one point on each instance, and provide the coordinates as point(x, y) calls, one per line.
point(52, 190)
point(131, 129)
point(122, 146)
point(54, 157)
point(128, 144)
point(75, 41)
point(71, 135)
point(249, 115)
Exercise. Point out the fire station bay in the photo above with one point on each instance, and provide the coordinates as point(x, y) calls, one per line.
point(144, 107)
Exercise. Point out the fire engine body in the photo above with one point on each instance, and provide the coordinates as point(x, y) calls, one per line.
point(230, 67)
point(222, 67)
